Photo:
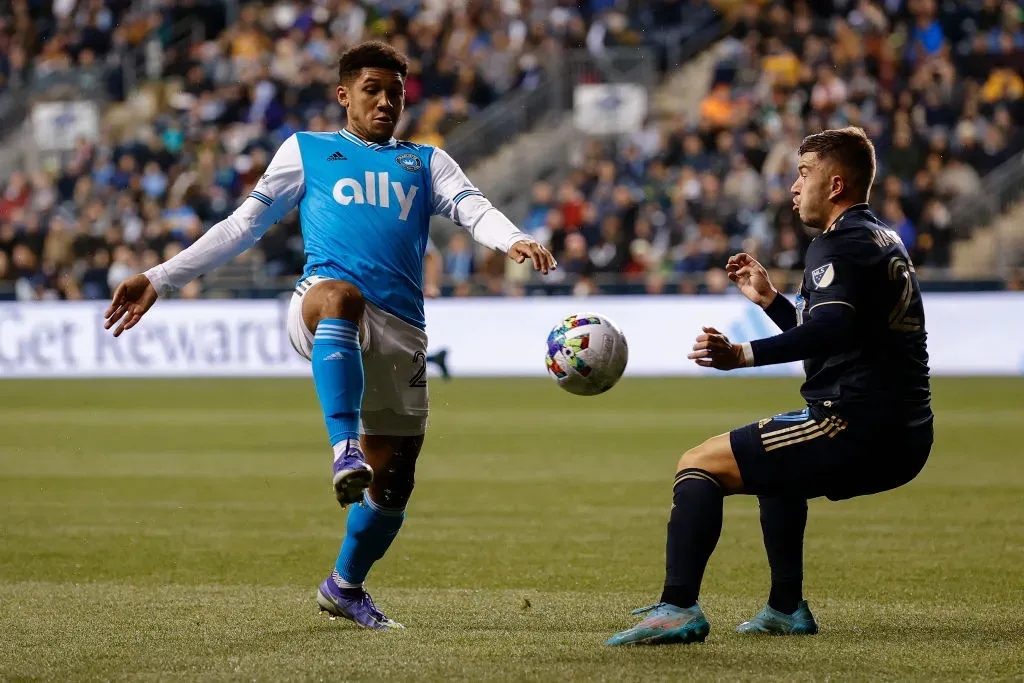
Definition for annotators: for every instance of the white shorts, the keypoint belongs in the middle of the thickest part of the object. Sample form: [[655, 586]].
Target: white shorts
[[395, 399]]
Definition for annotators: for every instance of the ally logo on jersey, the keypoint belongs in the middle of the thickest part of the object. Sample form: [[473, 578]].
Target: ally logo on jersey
[[376, 189]]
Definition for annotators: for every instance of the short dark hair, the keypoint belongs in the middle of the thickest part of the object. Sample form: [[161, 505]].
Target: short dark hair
[[851, 149], [371, 55]]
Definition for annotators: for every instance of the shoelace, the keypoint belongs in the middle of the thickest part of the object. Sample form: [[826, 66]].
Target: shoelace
[[372, 608], [649, 608]]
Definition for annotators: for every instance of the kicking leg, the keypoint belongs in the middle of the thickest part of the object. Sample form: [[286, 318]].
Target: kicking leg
[[705, 476], [375, 522], [333, 309], [372, 526]]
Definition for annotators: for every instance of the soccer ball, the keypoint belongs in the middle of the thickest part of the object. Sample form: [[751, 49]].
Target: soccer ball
[[586, 354]]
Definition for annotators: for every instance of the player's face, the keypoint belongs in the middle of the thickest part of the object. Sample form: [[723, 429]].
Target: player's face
[[374, 101], [812, 191]]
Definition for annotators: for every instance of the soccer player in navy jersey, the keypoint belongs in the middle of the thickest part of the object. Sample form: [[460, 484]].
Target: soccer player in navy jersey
[[365, 200], [858, 326]]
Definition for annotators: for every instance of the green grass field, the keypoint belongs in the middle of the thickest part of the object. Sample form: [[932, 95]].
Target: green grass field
[[177, 530]]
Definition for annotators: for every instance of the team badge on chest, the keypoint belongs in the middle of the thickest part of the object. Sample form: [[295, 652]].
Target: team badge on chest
[[410, 162]]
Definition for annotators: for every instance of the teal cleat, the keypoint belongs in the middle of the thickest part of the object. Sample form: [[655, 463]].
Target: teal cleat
[[773, 622], [665, 624]]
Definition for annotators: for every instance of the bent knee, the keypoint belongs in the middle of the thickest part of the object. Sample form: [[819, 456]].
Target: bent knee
[[393, 483], [394, 467], [337, 299], [715, 457], [699, 457]]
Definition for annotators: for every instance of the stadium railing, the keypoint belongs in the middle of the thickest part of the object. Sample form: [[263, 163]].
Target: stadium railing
[[1004, 186], [553, 95], [611, 284], [101, 83], [523, 109], [252, 282], [13, 110], [500, 123]]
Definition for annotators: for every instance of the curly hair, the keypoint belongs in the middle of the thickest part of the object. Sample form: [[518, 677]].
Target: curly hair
[[371, 55]]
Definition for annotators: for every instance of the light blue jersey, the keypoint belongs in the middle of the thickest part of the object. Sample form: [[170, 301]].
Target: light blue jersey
[[365, 213], [366, 216]]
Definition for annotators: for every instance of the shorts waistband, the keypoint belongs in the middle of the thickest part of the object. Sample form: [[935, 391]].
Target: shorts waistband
[[303, 286]]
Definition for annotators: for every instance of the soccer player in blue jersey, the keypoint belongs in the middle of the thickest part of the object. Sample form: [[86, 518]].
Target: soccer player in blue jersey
[[365, 200]]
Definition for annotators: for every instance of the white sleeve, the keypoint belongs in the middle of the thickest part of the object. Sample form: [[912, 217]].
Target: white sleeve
[[457, 198], [277, 193]]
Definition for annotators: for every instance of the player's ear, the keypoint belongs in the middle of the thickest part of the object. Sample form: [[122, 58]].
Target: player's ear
[[343, 95], [836, 187]]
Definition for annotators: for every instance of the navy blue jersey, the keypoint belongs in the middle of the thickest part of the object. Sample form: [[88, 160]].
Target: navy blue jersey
[[861, 263]]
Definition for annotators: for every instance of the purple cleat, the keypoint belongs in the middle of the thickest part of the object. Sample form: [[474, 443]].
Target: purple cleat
[[351, 475], [354, 604]]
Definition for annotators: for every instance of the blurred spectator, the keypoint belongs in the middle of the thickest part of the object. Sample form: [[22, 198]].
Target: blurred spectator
[[939, 121], [458, 259], [138, 195], [936, 85]]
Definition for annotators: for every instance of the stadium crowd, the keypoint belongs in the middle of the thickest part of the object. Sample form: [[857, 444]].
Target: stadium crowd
[[665, 206], [936, 88], [120, 203]]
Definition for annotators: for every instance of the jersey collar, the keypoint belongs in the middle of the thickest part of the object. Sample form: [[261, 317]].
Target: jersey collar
[[863, 206], [352, 137]]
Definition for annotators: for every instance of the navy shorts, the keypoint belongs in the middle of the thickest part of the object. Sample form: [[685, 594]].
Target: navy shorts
[[809, 453]]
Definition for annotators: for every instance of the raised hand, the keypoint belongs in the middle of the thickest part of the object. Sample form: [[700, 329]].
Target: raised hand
[[132, 299], [752, 279], [528, 249], [714, 350]]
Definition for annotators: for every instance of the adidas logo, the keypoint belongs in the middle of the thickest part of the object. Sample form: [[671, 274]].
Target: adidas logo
[[337, 156], [337, 355]]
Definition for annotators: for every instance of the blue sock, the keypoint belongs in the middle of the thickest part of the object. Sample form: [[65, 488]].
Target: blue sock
[[368, 535], [338, 376]]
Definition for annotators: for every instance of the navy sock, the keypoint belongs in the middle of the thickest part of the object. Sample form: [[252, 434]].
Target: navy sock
[[369, 532], [782, 522], [693, 530], [338, 376]]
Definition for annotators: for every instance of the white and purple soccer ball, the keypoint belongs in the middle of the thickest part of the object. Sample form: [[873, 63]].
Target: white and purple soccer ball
[[586, 354]]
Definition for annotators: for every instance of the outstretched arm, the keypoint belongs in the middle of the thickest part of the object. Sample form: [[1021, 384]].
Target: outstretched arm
[[221, 243], [277, 192], [458, 199], [829, 332]]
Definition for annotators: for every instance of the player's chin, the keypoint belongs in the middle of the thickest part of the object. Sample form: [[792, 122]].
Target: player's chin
[[383, 127]]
